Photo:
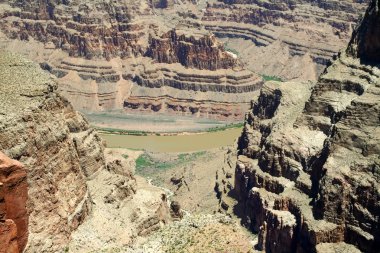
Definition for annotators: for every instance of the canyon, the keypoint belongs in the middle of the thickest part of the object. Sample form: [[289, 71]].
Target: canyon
[[308, 167], [188, 58], [65, 163], [293, 40], [302, 177]]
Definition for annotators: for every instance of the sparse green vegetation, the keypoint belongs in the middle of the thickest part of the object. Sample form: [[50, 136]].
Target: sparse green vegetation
[[225, 127], [143, 133], [125, 156], [271, 78], [146, 165], [122, 131]]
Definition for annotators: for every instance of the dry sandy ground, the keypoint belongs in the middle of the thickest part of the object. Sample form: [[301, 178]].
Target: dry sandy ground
[[112, 228], [191, 177]]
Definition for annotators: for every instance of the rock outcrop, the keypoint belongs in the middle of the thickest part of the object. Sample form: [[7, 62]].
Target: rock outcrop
[[174, 89], [92, 46], [83, 28], [66, 167], [119, 55], [201, 53], [54, 142], [365, 43], [281, 31], [13, 201], [308, 168]]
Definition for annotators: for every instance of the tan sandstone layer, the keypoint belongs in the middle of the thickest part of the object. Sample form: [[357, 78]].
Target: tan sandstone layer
[[307, 175], [272, 36], [101, 50], [71, 181]]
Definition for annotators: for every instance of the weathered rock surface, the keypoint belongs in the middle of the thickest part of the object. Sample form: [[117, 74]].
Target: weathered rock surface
[[100, 51], [221, 94], [82, 28], [66, 168], [54, 142], [91, 46], [281, 31], [13, 201], [126, 207], [308, 171], [198, 233], [201, 53]]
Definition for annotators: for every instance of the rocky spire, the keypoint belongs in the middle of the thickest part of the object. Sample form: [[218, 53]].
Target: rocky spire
[[365, 41]]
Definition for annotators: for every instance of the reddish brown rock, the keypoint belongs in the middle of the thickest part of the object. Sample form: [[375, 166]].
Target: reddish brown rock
[[8, 237], [76, 26], [13, 212], [308, 170], [202, 53]]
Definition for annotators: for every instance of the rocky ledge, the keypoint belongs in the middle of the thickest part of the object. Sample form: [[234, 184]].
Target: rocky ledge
[[308, 30], [65, 165], [202, 53], [100, 51], [308, 172]]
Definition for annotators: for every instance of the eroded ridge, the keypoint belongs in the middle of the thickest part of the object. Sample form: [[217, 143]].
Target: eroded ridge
[[308, 169], [290, 31], [72, 182]]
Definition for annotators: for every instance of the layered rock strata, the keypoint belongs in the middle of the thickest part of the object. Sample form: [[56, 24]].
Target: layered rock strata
[[201, 53], [223, 94], [82, 28], [13, 201], [59, 153], [64, 158], [280, 31], [101, 52], [308, 168]]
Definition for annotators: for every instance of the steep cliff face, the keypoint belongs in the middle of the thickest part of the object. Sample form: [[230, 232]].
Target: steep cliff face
[[201, 53], [308, 169], [103, 51], [283, 33], [82, 28], [54, 142], [13, 213], [73, 185], [365, 43]]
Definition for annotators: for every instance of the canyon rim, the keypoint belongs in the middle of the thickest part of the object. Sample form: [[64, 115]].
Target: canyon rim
[[89, 88]]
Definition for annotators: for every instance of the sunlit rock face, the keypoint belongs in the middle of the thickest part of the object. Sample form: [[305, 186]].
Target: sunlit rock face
[[288, 39], [13, 202], [58, 149], [72, 182], [309, 167]]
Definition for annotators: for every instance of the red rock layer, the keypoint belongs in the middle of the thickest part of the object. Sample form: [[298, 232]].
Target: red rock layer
[[202, 53], [13, 212]]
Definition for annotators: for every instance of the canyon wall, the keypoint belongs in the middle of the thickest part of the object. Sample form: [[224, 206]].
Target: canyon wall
[[201, 53], [13, 201], [68, 174], [59, 154], [82, 28], [117, 55], [308, 168], [278, 34], [110, 56]]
